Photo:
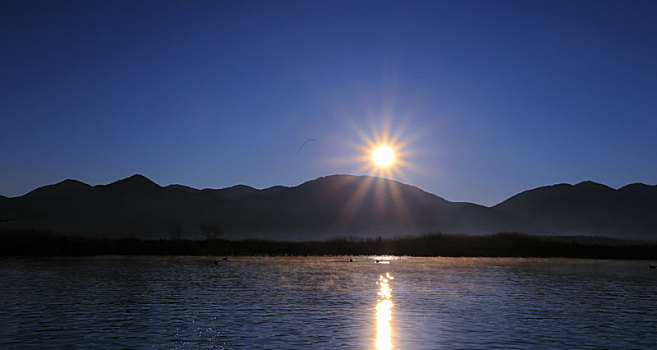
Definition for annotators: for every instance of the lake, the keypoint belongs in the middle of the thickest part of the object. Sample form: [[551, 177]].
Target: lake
[[327, 302]]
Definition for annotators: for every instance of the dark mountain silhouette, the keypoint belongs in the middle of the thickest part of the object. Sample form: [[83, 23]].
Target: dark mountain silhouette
[[361, 205], [242, 191], [134, 183], [234, 192], [331, 206], [65, 188], [588, 208], [182, 188]]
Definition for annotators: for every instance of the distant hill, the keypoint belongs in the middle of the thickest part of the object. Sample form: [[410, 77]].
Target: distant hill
[[234, 192], [331, 206], [588, 208], [65, 188]]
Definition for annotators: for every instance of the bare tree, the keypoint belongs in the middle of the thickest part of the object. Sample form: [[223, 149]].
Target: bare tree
[[212, 231], [174, 229]]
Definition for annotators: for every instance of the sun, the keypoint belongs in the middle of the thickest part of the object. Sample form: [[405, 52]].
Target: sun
[[383, 156], [382, 152]]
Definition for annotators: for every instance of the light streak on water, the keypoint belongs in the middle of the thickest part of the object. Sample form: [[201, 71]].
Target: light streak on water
[[384, 313]]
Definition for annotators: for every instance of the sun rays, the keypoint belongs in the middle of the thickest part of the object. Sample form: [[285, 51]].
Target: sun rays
[[383, 154], [385, 157]]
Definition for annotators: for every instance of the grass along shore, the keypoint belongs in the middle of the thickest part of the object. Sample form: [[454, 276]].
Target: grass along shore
[[40, 243]]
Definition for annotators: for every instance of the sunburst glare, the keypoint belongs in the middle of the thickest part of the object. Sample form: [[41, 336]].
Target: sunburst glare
[[383, 155], [380, 153]]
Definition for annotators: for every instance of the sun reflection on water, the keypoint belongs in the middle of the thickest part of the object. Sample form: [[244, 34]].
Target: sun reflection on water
[[384, 313]]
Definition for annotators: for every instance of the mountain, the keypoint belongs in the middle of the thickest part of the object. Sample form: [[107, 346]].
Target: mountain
[[242, 191], [65, 188], [588, 208], [330, 206], [182, 188], [362, 205], [234, 192]]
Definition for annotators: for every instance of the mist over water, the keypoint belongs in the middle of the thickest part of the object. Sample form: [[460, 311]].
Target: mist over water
[[325, 302]]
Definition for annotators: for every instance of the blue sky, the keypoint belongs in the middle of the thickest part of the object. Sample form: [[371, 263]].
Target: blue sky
[[492, 97]]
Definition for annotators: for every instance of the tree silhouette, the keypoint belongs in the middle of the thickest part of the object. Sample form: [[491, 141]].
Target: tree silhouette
[[212, 231], [174, 229]]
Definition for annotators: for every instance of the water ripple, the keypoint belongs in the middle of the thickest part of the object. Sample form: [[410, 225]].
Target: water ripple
[[274, 303]]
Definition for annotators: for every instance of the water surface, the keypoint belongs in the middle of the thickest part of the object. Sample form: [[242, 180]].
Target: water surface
[[327, 302]]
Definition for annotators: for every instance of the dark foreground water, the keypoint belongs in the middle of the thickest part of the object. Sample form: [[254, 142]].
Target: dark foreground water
[[327, 302]]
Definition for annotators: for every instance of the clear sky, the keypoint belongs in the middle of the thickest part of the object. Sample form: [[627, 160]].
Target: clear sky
[[492, 97]]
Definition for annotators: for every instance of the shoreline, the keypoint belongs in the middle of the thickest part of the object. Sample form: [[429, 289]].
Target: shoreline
[[41, 243]]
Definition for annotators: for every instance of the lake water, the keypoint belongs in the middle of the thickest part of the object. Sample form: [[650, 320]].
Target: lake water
[[327, 302]]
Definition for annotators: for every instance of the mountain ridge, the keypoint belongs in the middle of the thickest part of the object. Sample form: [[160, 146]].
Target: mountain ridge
[[588, 208], [144, 179], [330, 206]]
